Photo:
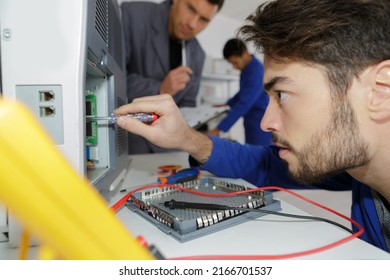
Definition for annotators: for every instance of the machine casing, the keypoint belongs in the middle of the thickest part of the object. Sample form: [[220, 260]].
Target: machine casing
[[55, 53]]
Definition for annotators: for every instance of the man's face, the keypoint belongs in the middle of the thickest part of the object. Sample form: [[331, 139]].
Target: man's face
[[318, 136], [189, 17], [237, 62]]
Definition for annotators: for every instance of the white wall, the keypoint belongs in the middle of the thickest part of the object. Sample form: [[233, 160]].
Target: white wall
[[213, 38]]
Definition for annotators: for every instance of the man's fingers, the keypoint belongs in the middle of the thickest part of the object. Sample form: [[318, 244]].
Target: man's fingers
[[149, 104], [133, 125], [183, 69]]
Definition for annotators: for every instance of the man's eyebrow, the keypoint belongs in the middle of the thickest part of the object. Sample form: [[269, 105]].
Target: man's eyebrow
[[204, 18], [269, 85]]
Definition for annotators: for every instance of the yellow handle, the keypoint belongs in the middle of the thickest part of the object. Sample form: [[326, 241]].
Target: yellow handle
[[61, 209]]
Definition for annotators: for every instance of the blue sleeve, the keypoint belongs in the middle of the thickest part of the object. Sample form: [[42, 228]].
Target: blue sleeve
[[232, 101], [260, 166]]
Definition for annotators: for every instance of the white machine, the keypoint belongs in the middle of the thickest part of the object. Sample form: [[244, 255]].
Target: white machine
[[65, 60]]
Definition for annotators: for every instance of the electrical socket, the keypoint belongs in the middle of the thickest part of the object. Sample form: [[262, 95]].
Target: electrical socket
[[46, 103]]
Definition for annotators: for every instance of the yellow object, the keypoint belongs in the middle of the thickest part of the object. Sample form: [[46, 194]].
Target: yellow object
[[24, 245], [51, 200]]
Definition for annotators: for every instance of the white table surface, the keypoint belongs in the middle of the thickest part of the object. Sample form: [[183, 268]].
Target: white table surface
[[267, 235]]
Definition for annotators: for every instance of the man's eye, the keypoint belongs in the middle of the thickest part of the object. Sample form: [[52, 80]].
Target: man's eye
[[281, 95]]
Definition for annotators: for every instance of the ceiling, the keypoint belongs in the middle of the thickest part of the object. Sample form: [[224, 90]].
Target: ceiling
[[240, 9]]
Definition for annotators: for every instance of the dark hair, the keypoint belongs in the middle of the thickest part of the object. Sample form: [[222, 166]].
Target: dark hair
[[216, 2], [232, 47], [344, 36]]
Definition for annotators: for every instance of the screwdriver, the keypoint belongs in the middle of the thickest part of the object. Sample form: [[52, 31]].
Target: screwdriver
[[143, 117]]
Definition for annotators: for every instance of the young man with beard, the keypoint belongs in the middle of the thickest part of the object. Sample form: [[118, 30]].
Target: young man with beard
[[327, 73]]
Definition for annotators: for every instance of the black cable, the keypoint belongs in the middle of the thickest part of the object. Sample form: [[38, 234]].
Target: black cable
[[173, 204], [293, 216]]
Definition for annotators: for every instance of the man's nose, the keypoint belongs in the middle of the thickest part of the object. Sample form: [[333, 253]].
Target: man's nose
[[271, 120], [194, 21]]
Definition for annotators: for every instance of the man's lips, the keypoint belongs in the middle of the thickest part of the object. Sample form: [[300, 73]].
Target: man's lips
[[280, 146], [185, 31], [282, 149], [282, 152]]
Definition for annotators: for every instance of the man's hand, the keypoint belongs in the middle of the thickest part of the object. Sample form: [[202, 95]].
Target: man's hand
[[176, 80], [170, 130]]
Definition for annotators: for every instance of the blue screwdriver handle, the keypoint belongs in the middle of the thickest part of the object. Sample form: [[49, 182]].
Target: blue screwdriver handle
[[184, 175]]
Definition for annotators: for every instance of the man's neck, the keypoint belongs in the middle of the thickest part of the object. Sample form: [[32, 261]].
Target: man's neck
[[375, 177], [247, 58]]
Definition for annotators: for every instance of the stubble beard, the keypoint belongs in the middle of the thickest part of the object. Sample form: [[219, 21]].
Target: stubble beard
[[334, 149]]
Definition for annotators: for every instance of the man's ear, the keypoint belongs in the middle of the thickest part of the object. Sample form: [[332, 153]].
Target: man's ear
[[379, 99]]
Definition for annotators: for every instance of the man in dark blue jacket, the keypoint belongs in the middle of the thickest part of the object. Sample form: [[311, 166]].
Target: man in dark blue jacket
[[327, 73], [251, 100]]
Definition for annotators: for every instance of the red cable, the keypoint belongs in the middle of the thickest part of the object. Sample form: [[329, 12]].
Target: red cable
[[125, 198]]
